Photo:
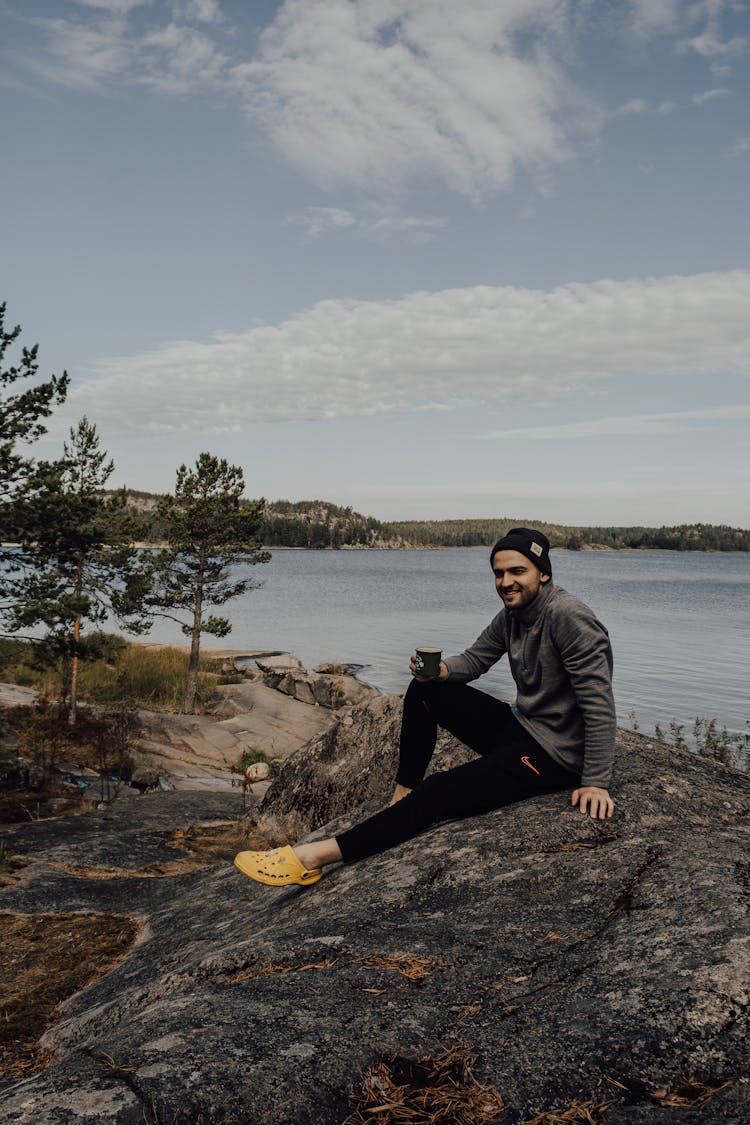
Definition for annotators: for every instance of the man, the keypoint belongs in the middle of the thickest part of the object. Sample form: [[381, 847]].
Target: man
[[559, 733]]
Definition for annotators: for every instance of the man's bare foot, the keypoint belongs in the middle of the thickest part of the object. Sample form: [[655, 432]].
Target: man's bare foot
[[318, 854], [399, 793]]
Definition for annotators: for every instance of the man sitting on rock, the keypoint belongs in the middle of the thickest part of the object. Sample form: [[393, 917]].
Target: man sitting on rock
[[559, 734]]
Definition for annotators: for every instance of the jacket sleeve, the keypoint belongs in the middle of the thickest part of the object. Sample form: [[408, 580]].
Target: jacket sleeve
[[487, 649], [583, 644]]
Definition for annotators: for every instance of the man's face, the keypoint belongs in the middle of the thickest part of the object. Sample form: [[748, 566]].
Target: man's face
[[517, 580]]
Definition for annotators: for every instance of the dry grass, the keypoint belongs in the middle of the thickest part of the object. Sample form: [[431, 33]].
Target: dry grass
[[412, 968], [45, 959], [577, 1113], [210, 844], [584, 845], [11, 866], [271, 969], [156, 870], [19, 806], [441, 1091], [687, 1092]]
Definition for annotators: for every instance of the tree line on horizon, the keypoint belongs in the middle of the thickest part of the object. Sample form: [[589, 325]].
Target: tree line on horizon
[[483, 533], [320, 524]]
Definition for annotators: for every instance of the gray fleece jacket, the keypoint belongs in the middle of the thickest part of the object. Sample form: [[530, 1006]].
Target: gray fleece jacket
[[561, 661]]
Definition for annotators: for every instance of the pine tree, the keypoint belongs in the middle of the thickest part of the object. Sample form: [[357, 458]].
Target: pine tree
[[79, 564], [210, 531], [22, 414]]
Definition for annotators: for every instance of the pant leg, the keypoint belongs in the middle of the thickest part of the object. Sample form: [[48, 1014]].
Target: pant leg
[[478, 720], [518, 769]]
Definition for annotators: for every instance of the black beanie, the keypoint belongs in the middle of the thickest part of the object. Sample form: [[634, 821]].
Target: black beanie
[[533, 544]]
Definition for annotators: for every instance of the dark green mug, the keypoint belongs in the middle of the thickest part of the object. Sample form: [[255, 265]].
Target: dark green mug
[[427, 661]]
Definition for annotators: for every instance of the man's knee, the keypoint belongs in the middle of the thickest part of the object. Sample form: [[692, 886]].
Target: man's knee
[[434, 798], [419, 689], [420, 698]]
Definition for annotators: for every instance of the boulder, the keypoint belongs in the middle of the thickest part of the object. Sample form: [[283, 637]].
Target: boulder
[[348, 768], [585, 964], [257, 771], [279, 664], [329, 689]]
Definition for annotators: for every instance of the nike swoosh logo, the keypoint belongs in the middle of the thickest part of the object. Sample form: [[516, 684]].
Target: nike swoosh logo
[[526, 762]]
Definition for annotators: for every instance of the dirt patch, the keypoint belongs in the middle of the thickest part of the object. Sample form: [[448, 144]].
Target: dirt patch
[[215, 843], [11, 867], [210, 844], [44, 960]]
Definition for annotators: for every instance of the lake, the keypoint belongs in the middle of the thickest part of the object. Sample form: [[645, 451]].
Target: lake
[[679, 622]]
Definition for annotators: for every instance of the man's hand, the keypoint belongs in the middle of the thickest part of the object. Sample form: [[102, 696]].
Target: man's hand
[[442, 674], [594, 801]]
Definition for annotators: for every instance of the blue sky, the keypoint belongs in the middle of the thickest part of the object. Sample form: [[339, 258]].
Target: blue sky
[[425, 258]]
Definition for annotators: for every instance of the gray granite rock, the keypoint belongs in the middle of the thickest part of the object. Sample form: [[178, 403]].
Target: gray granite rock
[[577, 959], [327, 689]]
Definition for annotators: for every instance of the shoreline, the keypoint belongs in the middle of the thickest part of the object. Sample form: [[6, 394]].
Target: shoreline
[[599, 548]]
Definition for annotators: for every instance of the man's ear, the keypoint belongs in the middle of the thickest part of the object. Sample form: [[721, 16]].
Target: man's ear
[[545, 577]]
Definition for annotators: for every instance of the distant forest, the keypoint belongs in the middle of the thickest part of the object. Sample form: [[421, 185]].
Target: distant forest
[[319, 524]]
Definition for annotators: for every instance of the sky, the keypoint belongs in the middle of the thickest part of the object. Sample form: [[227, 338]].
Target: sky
[[428, 259]]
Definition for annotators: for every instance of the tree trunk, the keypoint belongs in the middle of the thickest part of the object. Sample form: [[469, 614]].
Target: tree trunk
[[74, 660], [191, 687]]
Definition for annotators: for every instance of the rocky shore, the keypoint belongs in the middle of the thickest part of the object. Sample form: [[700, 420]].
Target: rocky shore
[[595, 970], [275, 712]]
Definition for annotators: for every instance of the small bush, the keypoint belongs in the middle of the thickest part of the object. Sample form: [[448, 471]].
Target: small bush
[[708, 740], [102, 741], [250, 757]]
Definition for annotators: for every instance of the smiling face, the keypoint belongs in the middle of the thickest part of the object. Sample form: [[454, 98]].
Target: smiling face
[[517, 580]]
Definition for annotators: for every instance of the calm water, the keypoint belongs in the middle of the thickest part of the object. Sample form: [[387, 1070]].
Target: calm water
[[679, 623]]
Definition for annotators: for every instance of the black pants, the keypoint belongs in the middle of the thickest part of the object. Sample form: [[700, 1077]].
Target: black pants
[[511, 766]]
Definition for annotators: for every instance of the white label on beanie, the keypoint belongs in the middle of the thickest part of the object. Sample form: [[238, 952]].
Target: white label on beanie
[[536, 549]]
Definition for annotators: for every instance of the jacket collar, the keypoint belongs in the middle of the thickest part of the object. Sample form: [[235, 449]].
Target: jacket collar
[[535, 609]]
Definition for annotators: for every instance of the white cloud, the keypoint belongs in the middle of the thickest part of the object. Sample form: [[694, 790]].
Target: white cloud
[[177, 59], [368, 93], [343, 358], [380, 221], [742, 146], [643, 424], [114, 7], [81, 55], [695, 26], [649, 17], [637, 106], [386, 221], [632, 106], [710, 43], [89, 52], [202, 11], [710, 95], [322, 220], [379, 91]]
